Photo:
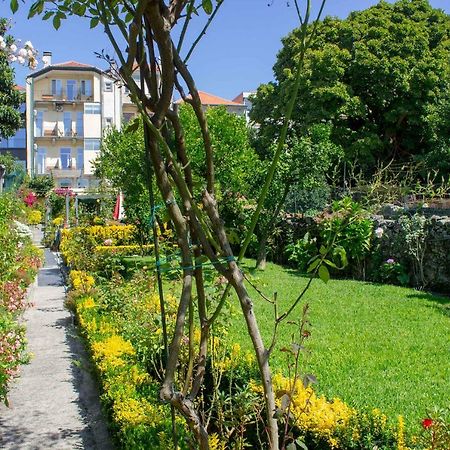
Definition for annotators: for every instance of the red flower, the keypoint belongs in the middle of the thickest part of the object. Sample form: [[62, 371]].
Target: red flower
[[427, 423]]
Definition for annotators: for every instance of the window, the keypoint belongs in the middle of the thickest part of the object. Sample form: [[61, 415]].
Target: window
[[65, 183], [40, 161], [86, 87], [16, 141], [92, 144], [68, 124], [108, 86], [126, 90], [71, 89], [83, 183], [80, 126], [80, 159], [64, 154], [39, 123], [92, 108], [57, 88], [127, 117]]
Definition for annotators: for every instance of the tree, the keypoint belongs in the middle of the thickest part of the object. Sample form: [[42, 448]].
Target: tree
[[146, 29], [378, 78], [303, 166], [238, 166], [10, 97]]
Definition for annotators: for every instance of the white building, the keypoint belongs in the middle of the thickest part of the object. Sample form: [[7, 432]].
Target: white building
[[69, 106]]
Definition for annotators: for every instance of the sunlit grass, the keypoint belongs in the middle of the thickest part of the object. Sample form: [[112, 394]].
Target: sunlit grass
[[371, 345]]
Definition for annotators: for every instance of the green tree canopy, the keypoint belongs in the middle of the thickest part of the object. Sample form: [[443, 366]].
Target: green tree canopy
[[10, 97], [380, 78], [237, 165]]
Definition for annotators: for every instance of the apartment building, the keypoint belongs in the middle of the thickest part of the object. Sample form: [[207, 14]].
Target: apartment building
[[16, 145], [69, 107]]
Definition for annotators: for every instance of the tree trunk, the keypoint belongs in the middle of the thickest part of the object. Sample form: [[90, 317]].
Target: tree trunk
[[262, 254]]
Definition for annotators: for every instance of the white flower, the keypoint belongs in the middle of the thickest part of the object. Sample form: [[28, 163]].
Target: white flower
[[2, 38], [12, 58], [2, 44], [379, 232], [28, 44], [30, 53], [23, 53], [13, 48], [21, 60]]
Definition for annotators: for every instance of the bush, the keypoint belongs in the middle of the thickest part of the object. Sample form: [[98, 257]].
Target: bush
[[19, 262]]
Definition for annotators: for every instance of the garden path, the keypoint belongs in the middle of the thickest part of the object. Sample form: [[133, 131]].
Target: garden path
[[54, 404]]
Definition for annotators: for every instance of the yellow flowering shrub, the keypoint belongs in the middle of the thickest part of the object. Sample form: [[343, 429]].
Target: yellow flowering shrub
[[34, 216], [58, 221], [120, 234], [122, 250], [81, 281], [311, 412]]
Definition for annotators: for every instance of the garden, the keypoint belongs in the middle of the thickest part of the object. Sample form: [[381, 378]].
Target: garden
[[281, 284]]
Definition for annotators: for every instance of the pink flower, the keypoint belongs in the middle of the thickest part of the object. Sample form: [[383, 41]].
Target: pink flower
[[390, 261]]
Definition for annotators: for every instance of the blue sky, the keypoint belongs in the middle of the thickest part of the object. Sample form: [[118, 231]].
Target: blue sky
[[236, 55]]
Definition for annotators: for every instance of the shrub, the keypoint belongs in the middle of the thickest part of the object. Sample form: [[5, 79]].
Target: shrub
[[34, 217]]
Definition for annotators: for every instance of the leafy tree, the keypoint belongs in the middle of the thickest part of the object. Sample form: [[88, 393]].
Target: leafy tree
[[380, 78], [303, 167], [237, 164], [10, 97], [142, 33]]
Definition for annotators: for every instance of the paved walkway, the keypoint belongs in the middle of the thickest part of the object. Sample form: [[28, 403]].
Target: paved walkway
[[54, 404]]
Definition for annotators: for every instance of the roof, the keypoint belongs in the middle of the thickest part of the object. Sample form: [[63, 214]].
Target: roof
[[239, 98], [72, 64], [213, 100], [69, 66], [19, 88], [243, 96]]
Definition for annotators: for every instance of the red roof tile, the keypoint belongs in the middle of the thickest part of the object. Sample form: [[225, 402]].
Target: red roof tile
[[72, 64], [213, 100], [19, 88], [239, 98]]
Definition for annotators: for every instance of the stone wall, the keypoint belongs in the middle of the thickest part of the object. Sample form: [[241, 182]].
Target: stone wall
[[436, 259]]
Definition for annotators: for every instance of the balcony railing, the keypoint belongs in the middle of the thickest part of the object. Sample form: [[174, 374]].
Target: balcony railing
[[63, 96], [60, 134]]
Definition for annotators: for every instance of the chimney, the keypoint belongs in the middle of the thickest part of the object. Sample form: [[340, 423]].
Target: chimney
[[47, 59]]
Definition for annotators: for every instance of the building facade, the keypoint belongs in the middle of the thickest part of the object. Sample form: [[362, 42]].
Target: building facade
[[69, 107], [16, 145]]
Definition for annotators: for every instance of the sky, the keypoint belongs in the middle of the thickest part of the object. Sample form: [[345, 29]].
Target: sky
[[237, 53]]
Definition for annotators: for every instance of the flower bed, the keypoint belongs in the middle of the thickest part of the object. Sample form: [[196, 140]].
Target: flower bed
[[125, 340], [19, 262]]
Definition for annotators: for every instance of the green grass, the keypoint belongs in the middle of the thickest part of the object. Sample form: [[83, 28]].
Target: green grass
[[371, 345]]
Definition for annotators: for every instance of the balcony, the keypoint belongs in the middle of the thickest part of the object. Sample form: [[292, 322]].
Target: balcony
[[57, 133], [65, 173], [63, 96]]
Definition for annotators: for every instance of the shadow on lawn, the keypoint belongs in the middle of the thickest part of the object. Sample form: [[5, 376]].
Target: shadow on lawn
[[438, 302]]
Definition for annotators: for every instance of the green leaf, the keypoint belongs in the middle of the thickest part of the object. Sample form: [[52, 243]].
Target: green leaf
[[207, 6], [47, 15], [133, 126], [94, 22], [200, 260], [313, 265], [56, 21], [14, 5], [324, 274]]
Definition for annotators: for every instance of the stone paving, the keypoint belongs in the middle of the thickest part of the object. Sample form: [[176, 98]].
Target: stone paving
[[54, 404]]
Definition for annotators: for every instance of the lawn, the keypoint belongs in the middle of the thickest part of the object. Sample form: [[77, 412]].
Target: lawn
[[371, 345]]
